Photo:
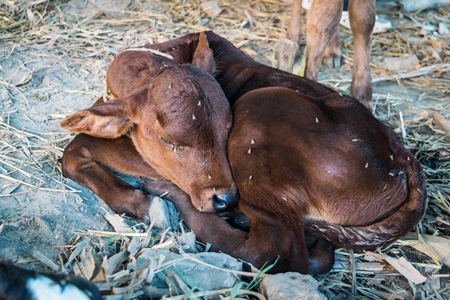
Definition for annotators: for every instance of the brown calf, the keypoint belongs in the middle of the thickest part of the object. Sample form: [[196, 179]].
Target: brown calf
[[311, 166], [306, 160], [166, 121], [322, 40]]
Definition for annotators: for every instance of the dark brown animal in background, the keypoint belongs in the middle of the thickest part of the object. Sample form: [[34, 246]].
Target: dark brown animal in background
[[166, 121], [322, 40], [311, 165]]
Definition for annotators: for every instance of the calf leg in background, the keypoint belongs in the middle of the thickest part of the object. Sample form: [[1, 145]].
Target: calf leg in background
[[268, 240], [88, 161], [322, 22], [362, 21], [294, 31]]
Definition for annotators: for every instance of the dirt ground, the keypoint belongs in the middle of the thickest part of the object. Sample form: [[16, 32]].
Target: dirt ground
[[53, 58]]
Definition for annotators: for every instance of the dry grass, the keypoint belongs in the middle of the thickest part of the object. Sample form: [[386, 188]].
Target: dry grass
[[69, 33]]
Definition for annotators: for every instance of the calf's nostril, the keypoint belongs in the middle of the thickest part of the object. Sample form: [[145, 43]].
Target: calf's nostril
[[224, 202], [219, 202]]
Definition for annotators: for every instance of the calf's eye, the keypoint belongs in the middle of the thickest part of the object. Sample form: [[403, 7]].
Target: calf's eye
[[174, 147]]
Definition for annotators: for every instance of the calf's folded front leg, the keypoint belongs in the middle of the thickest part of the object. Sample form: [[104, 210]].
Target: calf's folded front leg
[[269, 239], [90, 161]]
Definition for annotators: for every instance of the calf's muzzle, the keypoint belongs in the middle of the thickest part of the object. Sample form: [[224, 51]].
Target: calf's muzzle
[[223, 202]]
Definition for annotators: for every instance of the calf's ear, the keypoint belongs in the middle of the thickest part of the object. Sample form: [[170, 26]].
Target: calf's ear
[[106, 120], [203, 56]]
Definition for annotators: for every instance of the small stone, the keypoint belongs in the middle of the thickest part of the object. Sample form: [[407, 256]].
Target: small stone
[[203, 21], [288, 286], [402, 63], [443, 29], [194, 274], [211, 8]]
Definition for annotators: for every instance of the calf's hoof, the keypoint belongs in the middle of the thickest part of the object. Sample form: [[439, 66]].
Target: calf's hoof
[[321, 255], [332, 61], [332, 57], [363, 92], [162, 214]]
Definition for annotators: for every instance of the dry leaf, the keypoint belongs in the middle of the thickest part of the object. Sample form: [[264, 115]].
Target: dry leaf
[[441, 122], [45, 260], [248, 51], [9, 189], [118, 223], [121, 276], [31, 17], [390, 296], [77, 250], [439, 245], [403, 266], [111, 264], [436, 44], [440, 219], [175, 282], [86, 263], [11, 4], [419, 115], [134, 246]]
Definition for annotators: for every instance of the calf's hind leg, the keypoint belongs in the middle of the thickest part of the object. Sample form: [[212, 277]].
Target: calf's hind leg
[[89, 160]]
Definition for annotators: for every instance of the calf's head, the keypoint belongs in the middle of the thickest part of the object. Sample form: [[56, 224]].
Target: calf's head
[[179, 123]]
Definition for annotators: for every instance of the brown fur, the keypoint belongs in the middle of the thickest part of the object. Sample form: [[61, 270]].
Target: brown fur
[[313, 167], [322, 42]]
